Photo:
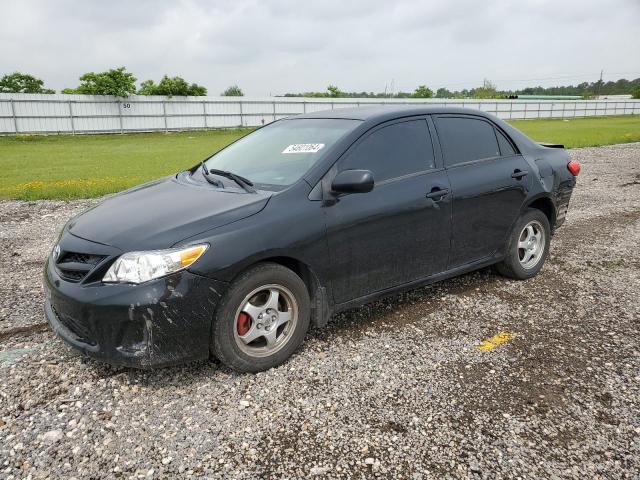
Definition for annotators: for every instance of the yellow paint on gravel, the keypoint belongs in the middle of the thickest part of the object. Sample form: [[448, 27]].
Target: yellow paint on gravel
[[494, 341]]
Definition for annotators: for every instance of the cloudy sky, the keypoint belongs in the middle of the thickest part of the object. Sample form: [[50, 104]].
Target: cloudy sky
[[278, 46]]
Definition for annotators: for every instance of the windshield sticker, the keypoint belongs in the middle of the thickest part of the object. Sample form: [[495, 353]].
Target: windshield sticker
[[303, 148]]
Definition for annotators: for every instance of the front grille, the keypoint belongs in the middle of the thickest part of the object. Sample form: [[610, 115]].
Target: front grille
[[71, 275], [74, 257], [75, 266]]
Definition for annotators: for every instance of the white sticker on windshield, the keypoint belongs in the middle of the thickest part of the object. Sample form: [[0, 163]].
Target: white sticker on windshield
[[303, 148]]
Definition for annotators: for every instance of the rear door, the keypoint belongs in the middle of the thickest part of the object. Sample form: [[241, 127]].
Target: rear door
[[489, 183], [395, 233]]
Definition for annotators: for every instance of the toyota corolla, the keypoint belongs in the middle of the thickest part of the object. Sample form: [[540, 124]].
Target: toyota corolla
[[308, 216]]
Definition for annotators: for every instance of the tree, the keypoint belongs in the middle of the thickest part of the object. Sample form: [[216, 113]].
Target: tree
[[22, 83], [422, 92], [333, 91], [148, 87], [488, 90], [233, 91], [635, 92], [172, 86], [116, 82], [443, 93]]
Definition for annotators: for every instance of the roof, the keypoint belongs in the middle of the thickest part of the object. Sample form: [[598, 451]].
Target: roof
[[372, 115], [386, 112]]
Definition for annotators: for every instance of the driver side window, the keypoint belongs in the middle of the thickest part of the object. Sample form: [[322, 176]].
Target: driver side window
[[393, 151]]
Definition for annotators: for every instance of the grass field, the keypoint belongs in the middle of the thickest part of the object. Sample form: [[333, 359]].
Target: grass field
[[583, 132], [65, 167]]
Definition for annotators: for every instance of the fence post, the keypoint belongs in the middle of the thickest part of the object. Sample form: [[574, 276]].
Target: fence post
[[204, 112], [120, 115], [304, 106], [510, 109], [164, 115], [274, 110], [241, 113], [13, 113], [73, 128]]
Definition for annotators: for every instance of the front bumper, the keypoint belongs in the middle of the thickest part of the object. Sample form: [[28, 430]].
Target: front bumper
[[162, 322]]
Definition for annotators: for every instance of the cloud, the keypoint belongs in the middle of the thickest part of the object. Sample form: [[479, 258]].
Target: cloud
[[285, 45]]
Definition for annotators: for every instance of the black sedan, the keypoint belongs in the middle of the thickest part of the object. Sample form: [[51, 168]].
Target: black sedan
[[300, 219]]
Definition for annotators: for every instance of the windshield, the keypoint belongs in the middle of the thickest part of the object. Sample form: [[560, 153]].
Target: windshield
[[280, 153]]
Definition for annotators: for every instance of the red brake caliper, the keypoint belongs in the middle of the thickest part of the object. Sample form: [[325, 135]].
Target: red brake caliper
[[244, 323]]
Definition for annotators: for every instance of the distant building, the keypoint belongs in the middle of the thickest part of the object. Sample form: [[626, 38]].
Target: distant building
[[613, 97]]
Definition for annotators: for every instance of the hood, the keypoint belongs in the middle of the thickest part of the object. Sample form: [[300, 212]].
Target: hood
[[159, 214]]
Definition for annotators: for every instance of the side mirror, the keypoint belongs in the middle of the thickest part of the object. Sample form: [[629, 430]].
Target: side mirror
[[353, 181]]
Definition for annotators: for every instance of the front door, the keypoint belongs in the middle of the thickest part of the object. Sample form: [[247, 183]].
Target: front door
[[396, 233]]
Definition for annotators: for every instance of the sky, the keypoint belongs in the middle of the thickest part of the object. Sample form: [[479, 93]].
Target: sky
[[272, 47]]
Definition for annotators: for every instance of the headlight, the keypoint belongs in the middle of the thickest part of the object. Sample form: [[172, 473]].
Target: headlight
[[138, 267]]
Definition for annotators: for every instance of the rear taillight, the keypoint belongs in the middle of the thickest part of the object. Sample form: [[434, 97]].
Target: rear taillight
[[573, 167]]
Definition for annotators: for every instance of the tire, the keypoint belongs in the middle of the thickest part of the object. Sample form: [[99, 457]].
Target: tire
[[250, 331], [518, 264]]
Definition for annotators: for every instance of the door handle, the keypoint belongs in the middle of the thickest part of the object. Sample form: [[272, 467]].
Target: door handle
[[437, 193], [518, 174]]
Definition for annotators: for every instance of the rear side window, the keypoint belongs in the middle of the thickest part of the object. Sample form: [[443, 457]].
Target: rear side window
[[466, 139], [393, 151], [506, 148]]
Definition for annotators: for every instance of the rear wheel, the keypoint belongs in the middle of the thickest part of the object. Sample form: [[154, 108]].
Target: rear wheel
[[528, 246], [262, 319]]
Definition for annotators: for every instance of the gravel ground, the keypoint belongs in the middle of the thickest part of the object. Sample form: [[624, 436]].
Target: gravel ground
[[397, 389]]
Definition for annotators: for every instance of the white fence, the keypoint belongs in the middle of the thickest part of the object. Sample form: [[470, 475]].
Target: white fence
[[35, 113]]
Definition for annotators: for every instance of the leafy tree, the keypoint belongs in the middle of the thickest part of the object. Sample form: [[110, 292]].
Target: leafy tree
[[443, 93], [116, 82], [233, 91], [422, 92], [333, 91], [488, 90], [22, 83], [635, 92], [172, 86], [148, 87]]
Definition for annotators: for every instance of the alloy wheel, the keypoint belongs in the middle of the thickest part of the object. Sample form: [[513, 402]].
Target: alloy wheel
[[531, 245], [265, 320]]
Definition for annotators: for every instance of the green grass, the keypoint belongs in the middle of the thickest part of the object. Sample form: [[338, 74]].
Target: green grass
[[583, 132], [65, 166]]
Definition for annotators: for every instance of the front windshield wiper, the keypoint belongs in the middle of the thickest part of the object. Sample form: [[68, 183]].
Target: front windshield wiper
[[209, 179], [243, 182]]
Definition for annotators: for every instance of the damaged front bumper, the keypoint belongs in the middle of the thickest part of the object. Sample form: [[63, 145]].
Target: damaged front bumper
[[162, 322]]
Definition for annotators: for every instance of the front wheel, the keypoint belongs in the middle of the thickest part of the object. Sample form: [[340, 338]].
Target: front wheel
[[528, 246], [262, 319]]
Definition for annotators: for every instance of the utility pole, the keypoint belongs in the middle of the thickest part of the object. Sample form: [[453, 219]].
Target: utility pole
[[599, 84]]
